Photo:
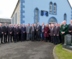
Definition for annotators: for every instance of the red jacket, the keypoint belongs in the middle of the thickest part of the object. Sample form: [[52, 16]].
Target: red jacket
[[46, 32]]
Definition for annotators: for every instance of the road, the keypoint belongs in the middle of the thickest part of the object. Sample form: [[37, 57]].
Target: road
[[27, 50]]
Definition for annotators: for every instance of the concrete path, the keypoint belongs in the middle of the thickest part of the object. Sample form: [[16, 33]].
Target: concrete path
[[27, 50]]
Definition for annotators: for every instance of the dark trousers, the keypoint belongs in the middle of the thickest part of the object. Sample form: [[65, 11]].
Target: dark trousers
[[42, 36], [9, 38], [46, 39], [37, 36], [32, 36], [52, 39], [16, 37], [1, 38], [62, 39], [23, 36], [5, 38], [56, 40], [49, 38], [20, 37]]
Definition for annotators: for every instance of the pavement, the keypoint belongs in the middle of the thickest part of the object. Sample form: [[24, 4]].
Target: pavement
[[27, 50]]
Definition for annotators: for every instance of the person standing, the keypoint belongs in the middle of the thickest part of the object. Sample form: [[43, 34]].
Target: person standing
[[23, 33], [16, 33], [46, 32], [28, 32], [1, 33], [49, 33], [19, 26], [32, 32], [10, 31], [56, 31], [38, 31], [63, 31], [70, 29], [52, 34], [42, 32], [5, 29]]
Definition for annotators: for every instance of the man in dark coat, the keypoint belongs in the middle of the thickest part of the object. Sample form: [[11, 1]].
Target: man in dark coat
[[32, 32], [16, 33], [52, 33], [56, 35], [10, 32], [13, 26], [1, 33], [42, 32], [70, 29], [19, 26], [38, 32], [63, 31], [23, 33], [5, 29]]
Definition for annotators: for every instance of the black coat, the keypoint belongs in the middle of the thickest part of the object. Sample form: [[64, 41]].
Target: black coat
[[10, 30], [56, 31], [5, 30], [0, 31], [70, 29], [16, 31]]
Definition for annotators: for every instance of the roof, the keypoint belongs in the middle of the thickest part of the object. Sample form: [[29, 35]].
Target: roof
[[15, 8], [5, 20], [69, 4]]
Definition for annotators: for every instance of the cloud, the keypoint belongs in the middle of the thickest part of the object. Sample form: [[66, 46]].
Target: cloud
[[70, 1]]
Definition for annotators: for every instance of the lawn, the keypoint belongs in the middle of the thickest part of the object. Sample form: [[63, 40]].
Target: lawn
[[62, 53]]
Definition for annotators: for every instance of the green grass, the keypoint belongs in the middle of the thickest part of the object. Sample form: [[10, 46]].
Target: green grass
[[61, 53]]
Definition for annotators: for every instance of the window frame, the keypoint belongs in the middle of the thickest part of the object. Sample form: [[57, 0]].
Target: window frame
[[51, 7], [65, 16], [55, 9], [36, 16]]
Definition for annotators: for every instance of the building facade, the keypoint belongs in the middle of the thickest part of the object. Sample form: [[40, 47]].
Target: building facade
[[4, 20], [41, 11]]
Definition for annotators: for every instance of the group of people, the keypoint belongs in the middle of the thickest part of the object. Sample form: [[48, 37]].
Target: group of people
[[53, 33]]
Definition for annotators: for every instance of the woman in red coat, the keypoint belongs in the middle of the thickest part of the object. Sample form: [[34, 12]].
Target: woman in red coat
[[46, 32]]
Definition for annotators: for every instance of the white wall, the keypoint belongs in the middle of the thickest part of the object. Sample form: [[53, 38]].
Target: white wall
[[18, 15]]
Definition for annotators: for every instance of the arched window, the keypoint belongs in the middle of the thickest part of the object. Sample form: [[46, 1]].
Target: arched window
[[52, 20], [55, 8], [36, 15], [65, 16], [50, 7]]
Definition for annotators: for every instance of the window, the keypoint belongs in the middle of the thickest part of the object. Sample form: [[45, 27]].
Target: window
[[36, 15], [51, 7], [16, 18], [52, 20], [42, 12], [23, 4], [55, 8], [65, 16], [23, 19], [23, 9], [23, 14], [46, 13]]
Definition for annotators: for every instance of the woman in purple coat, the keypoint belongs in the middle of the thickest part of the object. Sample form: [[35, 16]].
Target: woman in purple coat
[[46, 32]]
